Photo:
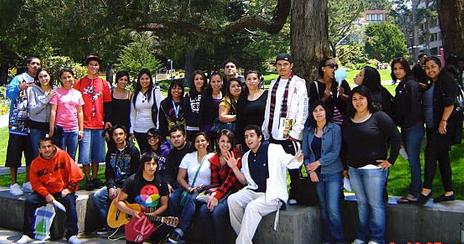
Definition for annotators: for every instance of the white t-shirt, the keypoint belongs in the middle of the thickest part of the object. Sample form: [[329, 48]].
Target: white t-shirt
[[190, 163], [278, 105]]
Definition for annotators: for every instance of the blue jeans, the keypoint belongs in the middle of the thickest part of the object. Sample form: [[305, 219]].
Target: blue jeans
[[217, 221], [328, 191], [92, 147], [35, 201], [412, 140], [186, 212], [68, 142], [368, 185], [36, 135], [100, 201]]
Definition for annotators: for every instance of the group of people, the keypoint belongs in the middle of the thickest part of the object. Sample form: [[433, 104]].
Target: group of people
[[222, 151]]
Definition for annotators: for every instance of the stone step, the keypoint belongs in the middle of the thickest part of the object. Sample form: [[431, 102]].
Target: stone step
[[297, 224]]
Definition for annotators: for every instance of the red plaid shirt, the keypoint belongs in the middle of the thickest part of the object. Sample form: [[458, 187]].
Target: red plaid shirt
[[224, 177]]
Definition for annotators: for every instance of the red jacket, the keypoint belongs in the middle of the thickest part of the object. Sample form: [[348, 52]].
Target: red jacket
[[49, 176], [223, 177]]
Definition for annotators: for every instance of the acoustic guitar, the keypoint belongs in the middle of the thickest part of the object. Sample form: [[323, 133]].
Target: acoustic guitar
[[117, 218]]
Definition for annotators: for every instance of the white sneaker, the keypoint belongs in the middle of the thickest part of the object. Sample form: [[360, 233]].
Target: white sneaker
[[372, 242], [25, 239], [15, 189], [74, 240], [292, 202], [403, 153], [27, 187], [357, 241]]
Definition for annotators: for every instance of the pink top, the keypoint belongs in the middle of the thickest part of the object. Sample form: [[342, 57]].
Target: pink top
[[67, 101]]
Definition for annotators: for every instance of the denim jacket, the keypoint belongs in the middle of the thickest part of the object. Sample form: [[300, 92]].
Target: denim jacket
[[330, 148]]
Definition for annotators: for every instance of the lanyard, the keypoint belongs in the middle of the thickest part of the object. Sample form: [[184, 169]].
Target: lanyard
[[176, 109]]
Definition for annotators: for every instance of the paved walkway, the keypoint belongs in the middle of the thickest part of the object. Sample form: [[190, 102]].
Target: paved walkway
[[11, 236]]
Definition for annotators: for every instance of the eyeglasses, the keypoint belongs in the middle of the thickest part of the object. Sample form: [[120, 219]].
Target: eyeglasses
[[152, 136], [333, 66], [230, 66]]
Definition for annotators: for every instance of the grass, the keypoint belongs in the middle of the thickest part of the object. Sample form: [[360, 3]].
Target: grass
[[398, 180]]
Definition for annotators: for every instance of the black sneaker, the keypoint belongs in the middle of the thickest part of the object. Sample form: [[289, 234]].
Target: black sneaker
[[443, 198], [89, 185], [175, 236], [423, 199], [97, 183]]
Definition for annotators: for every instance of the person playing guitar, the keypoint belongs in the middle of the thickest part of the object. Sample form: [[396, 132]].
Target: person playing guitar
[[147, 190]]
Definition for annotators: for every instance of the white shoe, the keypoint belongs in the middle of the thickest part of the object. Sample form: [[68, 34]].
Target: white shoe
[[27, 187], [372, 242], [15, 189], [403, 153], [25, 239], [357, 241], [292, 202], [74, 240]]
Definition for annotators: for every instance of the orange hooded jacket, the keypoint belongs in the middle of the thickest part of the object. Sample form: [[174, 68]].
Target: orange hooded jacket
[[49, 176]]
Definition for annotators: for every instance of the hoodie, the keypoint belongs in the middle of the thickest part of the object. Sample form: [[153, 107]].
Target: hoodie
[[50, 176], [120, 164]]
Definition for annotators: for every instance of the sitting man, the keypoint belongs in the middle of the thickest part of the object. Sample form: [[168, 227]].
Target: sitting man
[[151, 193], [263, 172], [122, 160], [181, 147], [54, 177]]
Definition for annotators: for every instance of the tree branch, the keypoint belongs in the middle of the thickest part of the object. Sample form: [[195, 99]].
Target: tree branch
[[271, 26]]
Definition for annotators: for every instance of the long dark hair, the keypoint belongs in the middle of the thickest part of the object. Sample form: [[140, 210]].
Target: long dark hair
[[193, 90], [172, 85], [230, 136], [36, 78], [404, 64], [209, 88], [245, 90], [372, 79], [138, 86], [365, 92], [147, 156], [320, 72], [311, 121]]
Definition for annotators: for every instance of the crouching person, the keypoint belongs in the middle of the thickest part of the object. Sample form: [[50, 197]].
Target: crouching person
[[264, 171], [54, 177], [146, 189], [122, 160]]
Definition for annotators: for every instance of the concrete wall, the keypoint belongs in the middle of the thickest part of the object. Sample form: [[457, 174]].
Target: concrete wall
[[405, 223]]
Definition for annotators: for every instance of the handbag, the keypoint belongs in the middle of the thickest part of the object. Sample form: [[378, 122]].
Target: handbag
[[218, 126], [139, 229], [185, 193], [305, 190]]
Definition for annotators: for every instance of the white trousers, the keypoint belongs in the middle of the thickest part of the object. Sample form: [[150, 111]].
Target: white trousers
[[246, 209]]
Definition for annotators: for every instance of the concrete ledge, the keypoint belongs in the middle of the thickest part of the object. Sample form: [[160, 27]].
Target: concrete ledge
[[297, 224], [12, 211]]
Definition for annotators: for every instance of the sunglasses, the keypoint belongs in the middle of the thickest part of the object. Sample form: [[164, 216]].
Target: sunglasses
[[333, 66]]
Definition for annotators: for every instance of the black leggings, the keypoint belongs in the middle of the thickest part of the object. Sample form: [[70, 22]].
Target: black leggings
[[437, 149]]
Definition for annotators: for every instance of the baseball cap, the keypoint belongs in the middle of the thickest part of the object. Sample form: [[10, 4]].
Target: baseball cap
[[284, 56]]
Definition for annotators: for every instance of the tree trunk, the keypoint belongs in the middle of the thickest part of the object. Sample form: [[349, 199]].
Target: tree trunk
[[451, 14], [109, 74], [309, 36], [415, 25], [3, 73], [188, 66]]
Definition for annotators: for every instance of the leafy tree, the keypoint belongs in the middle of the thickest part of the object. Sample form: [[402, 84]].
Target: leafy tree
[[385, 41], [54, 64], [139, 54]]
